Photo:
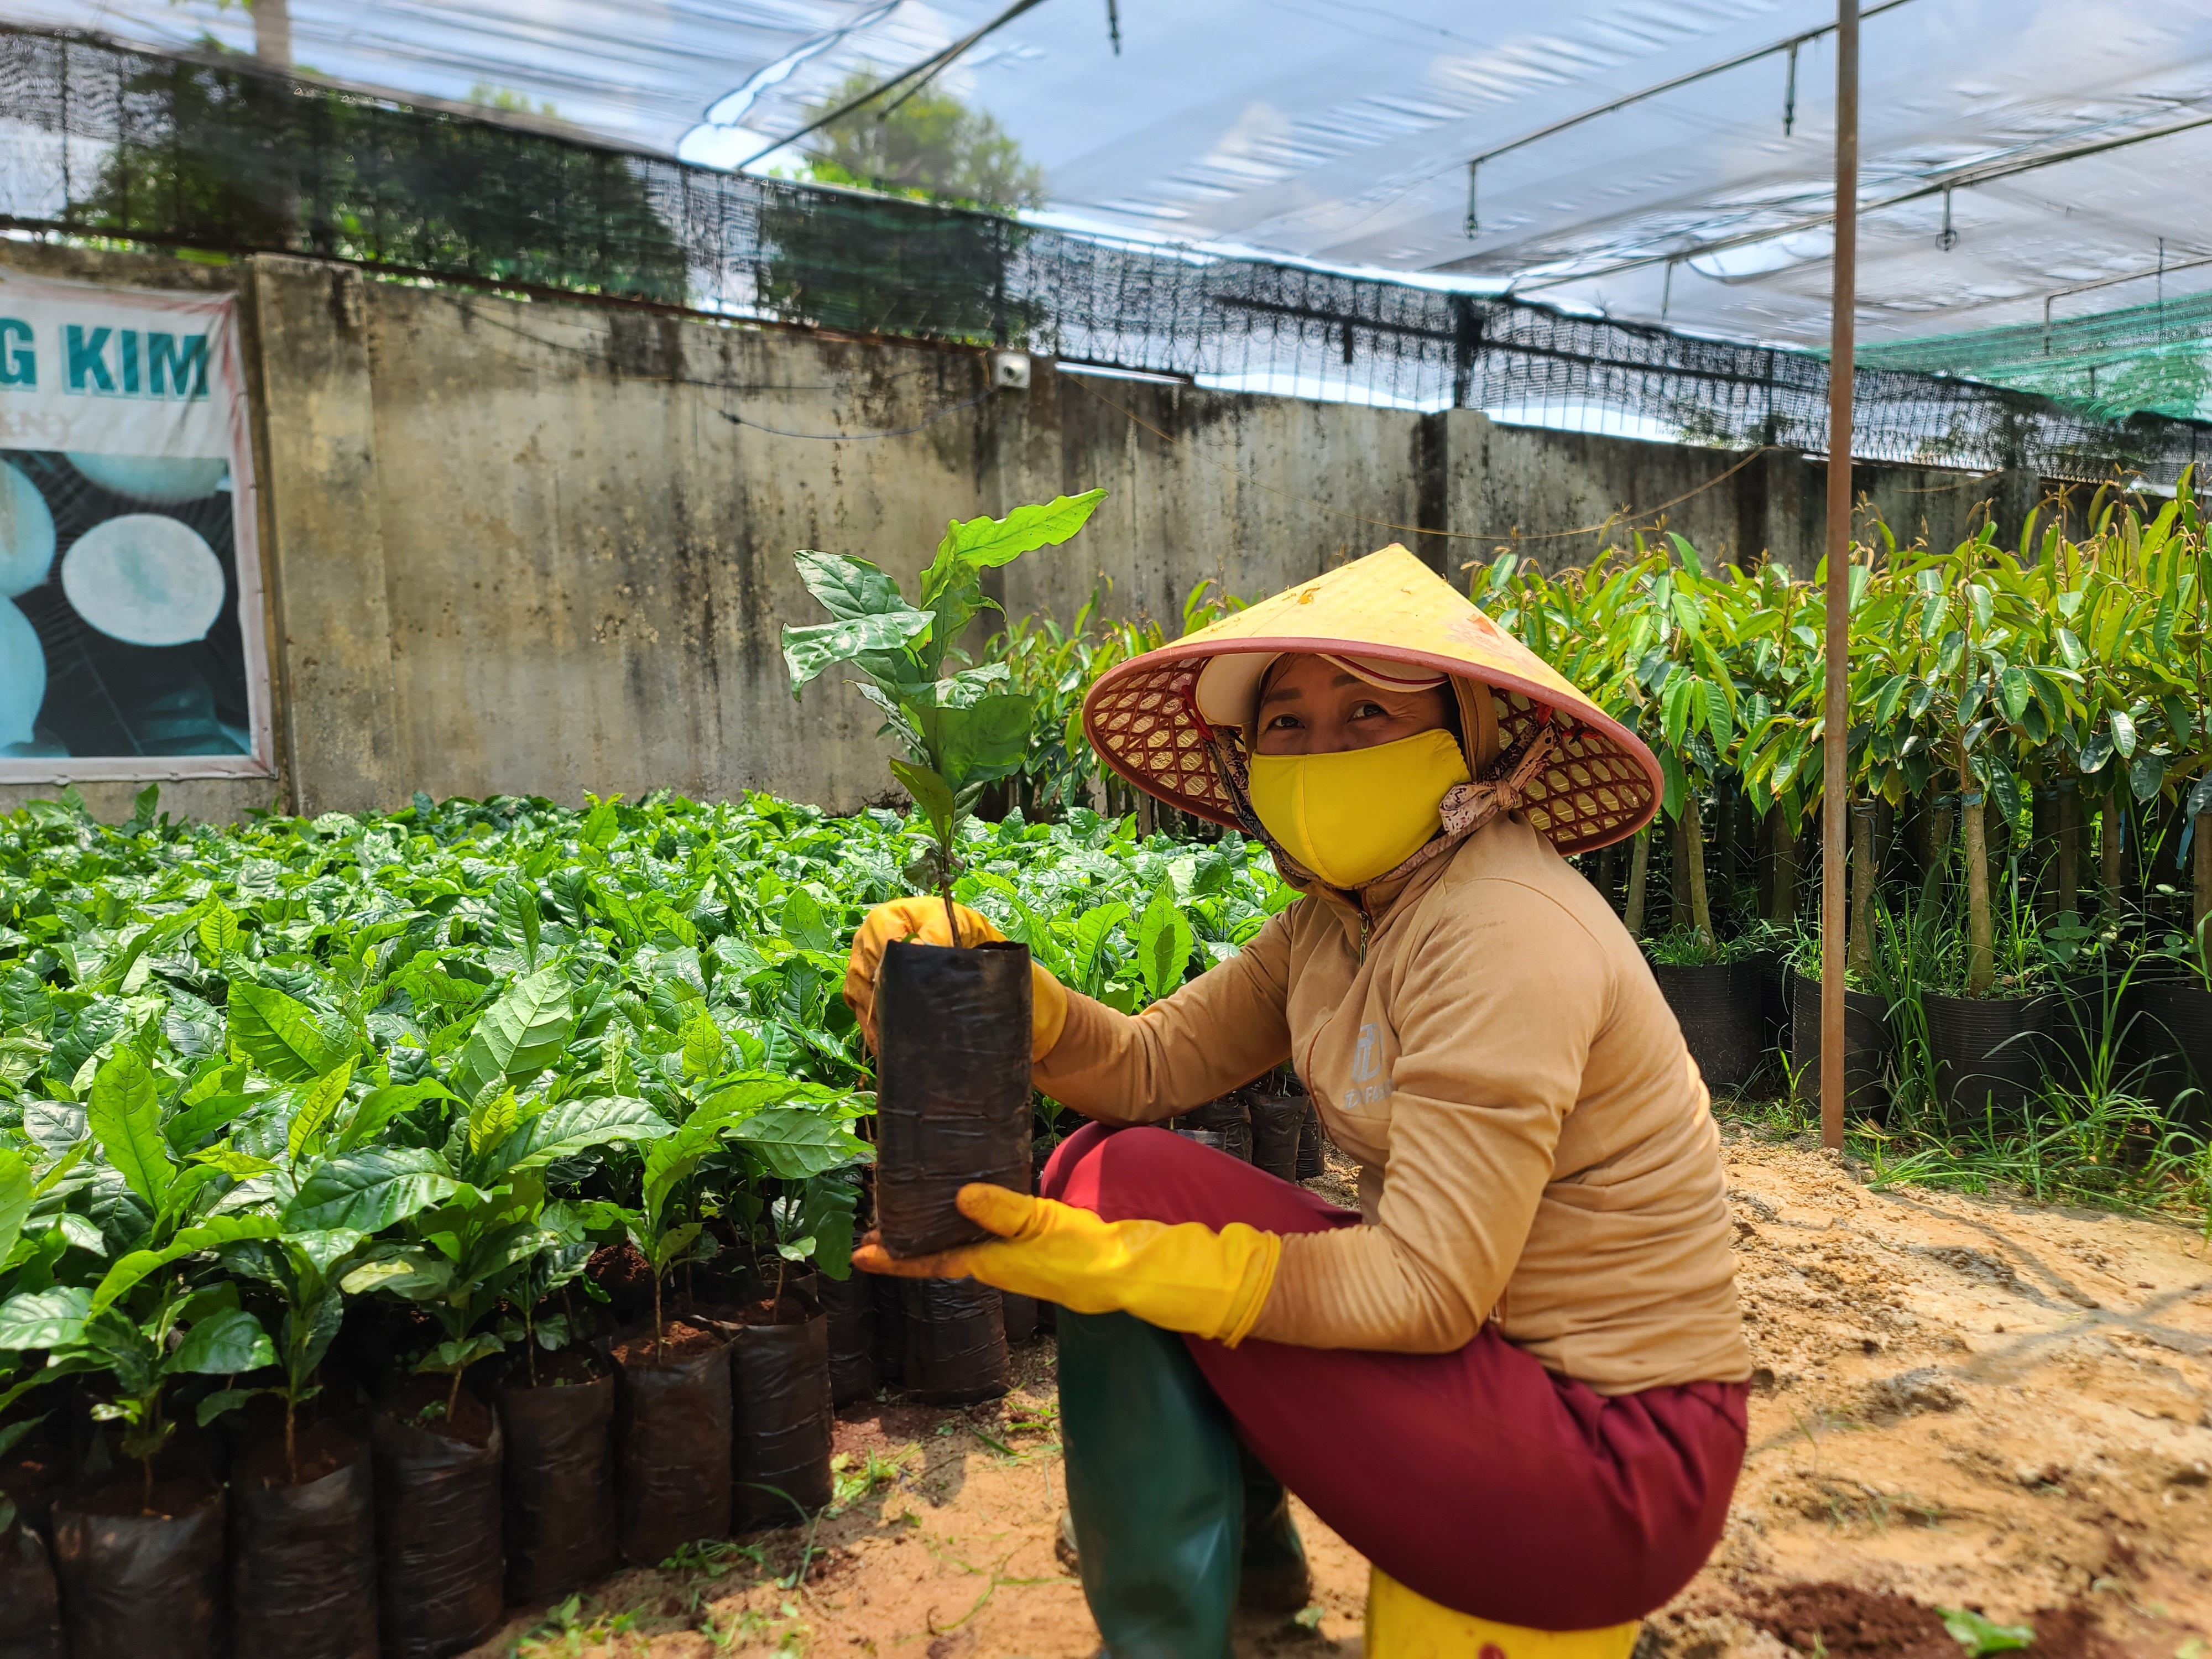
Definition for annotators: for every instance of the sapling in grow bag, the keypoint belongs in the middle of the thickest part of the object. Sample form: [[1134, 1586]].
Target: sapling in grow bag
[[953, 1023]]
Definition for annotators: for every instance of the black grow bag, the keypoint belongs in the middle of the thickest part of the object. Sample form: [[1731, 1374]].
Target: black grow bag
[[1313, 1163], [441, 1569], [850, 1305], [1278, 1120], [780, 1440], [890, 1328], [30, 1601], [955, 1342], [559, 1485], [1018, 1314], [671, 1448], [137, 1586], [1991, 1055], [1723, 1021], [1224, 1124], [1866, 1047], [303, 1558], [952, 1104], [2172, 1029]]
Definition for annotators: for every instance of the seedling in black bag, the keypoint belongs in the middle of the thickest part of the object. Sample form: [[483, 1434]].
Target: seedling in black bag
[[953, 1024]]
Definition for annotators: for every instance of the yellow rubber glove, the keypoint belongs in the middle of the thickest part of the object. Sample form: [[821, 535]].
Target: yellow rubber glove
[[1402, 1624], [922, 922], [1182, 1278]]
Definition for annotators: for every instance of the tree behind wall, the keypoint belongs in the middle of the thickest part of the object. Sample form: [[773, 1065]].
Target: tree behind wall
[[856, 265]]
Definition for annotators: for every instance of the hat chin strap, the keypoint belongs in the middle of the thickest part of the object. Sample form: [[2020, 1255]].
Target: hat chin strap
[[1466, 807]]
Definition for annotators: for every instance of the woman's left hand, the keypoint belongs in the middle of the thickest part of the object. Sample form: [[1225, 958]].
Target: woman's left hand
[[1185, 1278]]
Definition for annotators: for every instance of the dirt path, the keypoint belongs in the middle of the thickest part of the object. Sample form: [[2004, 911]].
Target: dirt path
[[1961, 1403]]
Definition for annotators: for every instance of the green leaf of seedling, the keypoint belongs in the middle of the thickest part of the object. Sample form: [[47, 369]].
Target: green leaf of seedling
[[672, 1245], [211, 1234], [703, 1047], [223, 1345], [574, 1127], [316, 1108], [1164, 942], [983, 544], [522, 1033], [795, 1142], [222, 1401], [931, 794], [515, 905], [804, 925], [849, 589], [220, 931], [1980, 1636], [16, 1192], [279, 1034], [370, 1188], [808, 651], [450, 1357], [379, 1106], [126, 1116], [44, 1319]]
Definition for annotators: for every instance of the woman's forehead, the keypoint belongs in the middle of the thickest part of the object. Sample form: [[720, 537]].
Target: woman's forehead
[[1273, 684]]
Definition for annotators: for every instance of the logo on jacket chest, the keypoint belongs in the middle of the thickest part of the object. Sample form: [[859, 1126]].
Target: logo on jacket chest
[[1370, 1071]]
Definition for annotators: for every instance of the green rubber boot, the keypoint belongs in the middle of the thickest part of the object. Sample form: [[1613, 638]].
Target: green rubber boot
[[1156, 1486], [1274, 1576]]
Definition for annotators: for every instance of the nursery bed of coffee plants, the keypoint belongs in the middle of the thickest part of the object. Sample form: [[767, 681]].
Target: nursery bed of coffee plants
[[398, 1213]]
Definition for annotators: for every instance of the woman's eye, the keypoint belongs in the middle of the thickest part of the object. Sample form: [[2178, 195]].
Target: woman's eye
[[1284, 723], [1368, 711]]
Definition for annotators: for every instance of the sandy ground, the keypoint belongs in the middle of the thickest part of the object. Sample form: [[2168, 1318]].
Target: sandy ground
[[1960, 1403]]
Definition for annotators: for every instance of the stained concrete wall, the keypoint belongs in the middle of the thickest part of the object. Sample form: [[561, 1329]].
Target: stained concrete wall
[[545, 548]]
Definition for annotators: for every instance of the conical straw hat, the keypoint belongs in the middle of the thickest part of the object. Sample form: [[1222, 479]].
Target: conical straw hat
[[1598, 783]]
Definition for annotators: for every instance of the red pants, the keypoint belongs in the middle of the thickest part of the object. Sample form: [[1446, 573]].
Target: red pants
[[1478, 1479]]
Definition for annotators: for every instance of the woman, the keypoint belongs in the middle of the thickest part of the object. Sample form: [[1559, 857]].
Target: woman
[[1514, 1380]]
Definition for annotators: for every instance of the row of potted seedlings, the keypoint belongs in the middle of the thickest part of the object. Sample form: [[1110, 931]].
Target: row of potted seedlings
[[1992, 1055], [406, 1529]]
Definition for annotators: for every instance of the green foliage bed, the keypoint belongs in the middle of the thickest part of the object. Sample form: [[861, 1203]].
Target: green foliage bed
[[248, 1076]]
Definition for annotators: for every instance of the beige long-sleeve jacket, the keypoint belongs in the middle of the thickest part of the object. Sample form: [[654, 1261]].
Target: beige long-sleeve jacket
[[1536, 1145]]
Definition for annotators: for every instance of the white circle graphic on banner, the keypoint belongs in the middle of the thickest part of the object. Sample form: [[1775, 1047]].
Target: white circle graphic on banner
[[22, 675], [145, 580], [158, 480], [26, 533]]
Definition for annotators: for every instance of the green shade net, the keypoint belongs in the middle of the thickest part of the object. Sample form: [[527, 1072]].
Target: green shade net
[[2145, 360]]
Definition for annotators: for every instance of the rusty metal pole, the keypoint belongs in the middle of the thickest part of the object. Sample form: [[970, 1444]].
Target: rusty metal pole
[[1835, 785]]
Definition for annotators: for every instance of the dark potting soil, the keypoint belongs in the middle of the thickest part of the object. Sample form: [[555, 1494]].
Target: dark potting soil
[[323, 1449], [559, 1480], [135, 1585], [626, 1277], [672, 1415], [174, 1495], [1845, 1621], [303, 1556], [30, 1601], [441, 1567], [422, 1402]]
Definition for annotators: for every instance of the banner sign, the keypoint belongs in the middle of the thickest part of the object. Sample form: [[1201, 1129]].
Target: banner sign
[[131, 641]]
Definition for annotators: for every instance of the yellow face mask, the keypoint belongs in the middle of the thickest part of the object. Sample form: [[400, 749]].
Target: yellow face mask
[[1356, 814]]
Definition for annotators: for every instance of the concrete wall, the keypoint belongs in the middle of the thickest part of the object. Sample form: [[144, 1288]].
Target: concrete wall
[[541, 547]]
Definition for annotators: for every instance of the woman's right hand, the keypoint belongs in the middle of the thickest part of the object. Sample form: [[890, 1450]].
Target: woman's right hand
[[923, 921]]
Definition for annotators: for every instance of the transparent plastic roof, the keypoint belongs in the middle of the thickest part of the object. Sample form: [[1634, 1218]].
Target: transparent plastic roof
[[2075, 136]]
